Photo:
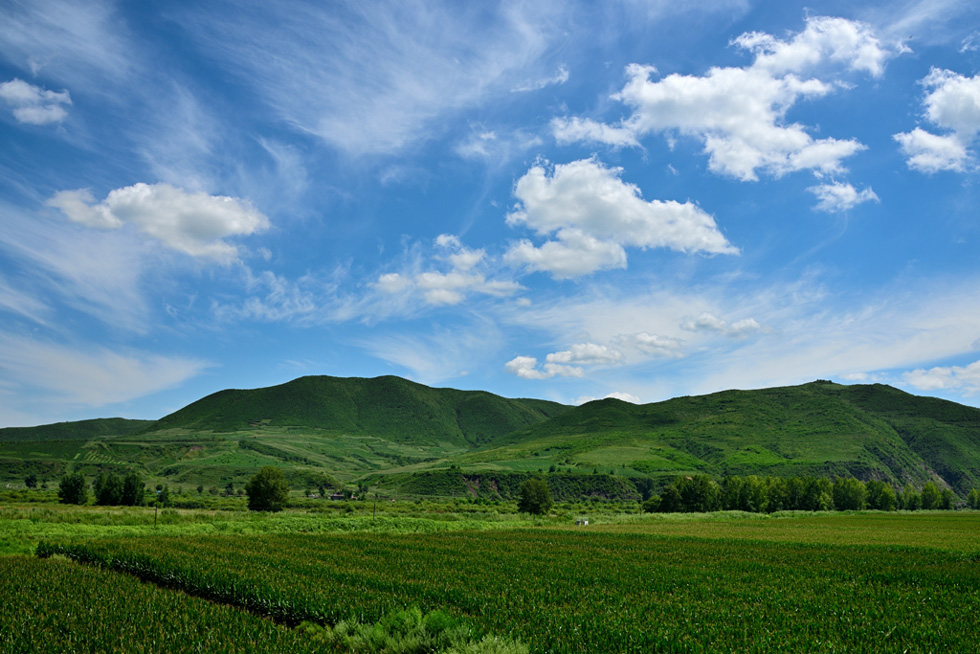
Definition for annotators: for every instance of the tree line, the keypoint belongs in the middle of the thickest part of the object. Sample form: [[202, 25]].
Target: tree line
[[701, 493], [108, 490]]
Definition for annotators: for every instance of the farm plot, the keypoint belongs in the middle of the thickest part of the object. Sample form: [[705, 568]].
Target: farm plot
[[60, 606], [565, 592]]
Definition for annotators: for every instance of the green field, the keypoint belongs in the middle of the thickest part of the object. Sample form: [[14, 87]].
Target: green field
[[865, 582]]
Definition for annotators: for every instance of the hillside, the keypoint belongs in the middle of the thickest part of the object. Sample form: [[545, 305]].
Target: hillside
[[393, 433], [390, 408], [821, 428], [78, 430]]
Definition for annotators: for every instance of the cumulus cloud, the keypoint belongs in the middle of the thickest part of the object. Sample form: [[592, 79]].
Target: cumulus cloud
[[952, 103], [838, 196], [965, 378], [567, 363], [34, 105], [192, 223], [594, 215], [451, 286], [739, 113], [712, 323]]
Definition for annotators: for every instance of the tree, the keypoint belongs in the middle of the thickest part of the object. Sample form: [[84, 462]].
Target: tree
[[267, 490], [73, 489], [881, 496], [133, 490], [163, 498], [535, 497], [947, 500], [930, 496], [31, 480], [108, 489], [849, 494], [910, 499]]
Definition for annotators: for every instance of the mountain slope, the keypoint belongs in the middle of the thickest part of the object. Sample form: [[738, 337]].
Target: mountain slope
[[819, 428], [78, 430], [388, 407]]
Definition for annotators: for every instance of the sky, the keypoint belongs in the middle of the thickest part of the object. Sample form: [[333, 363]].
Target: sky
[[560, 200]]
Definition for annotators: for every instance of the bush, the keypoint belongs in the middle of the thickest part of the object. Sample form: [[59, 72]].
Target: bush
[[73, 489], [267, 490], [535, 497]]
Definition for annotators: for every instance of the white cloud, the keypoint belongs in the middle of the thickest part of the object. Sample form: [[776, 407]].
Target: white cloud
[[953, 105], [931, 153], [90, 376], [654, 345], [375, 77], [739, 113], [192, 223], [560, 77], [825, 39], [710, 322], [593, 215], [965, 378], [34, 105], [96, 272], [567, 363], [440, 352], [839, 196], [447, 287], [586, 354]]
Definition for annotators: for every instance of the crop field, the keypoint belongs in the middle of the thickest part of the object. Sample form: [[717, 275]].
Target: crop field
[[59, 606], [768, 588]]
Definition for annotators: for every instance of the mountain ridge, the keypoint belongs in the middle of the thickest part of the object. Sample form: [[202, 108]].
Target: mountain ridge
[[388, 428]]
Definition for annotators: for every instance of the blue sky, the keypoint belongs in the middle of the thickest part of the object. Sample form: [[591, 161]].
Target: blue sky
[[540, 199]]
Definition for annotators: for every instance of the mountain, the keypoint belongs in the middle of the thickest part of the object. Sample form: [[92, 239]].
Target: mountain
[[390, 408], [78, 430], [820, 428], [392, 432]]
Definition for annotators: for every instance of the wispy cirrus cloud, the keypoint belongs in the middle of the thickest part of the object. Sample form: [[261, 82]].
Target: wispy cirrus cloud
[[376, 77], [90, 376]]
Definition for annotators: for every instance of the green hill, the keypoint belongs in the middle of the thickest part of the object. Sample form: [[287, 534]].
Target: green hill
[[389, 407], [79, 430], [394, 433], [821, 429]]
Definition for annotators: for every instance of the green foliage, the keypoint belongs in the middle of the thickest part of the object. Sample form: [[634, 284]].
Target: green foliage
[[535, 497], [267, 490], [931, 496], [881, 496], [31, 480], [73, 489], [406, 632], [849, 494]]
